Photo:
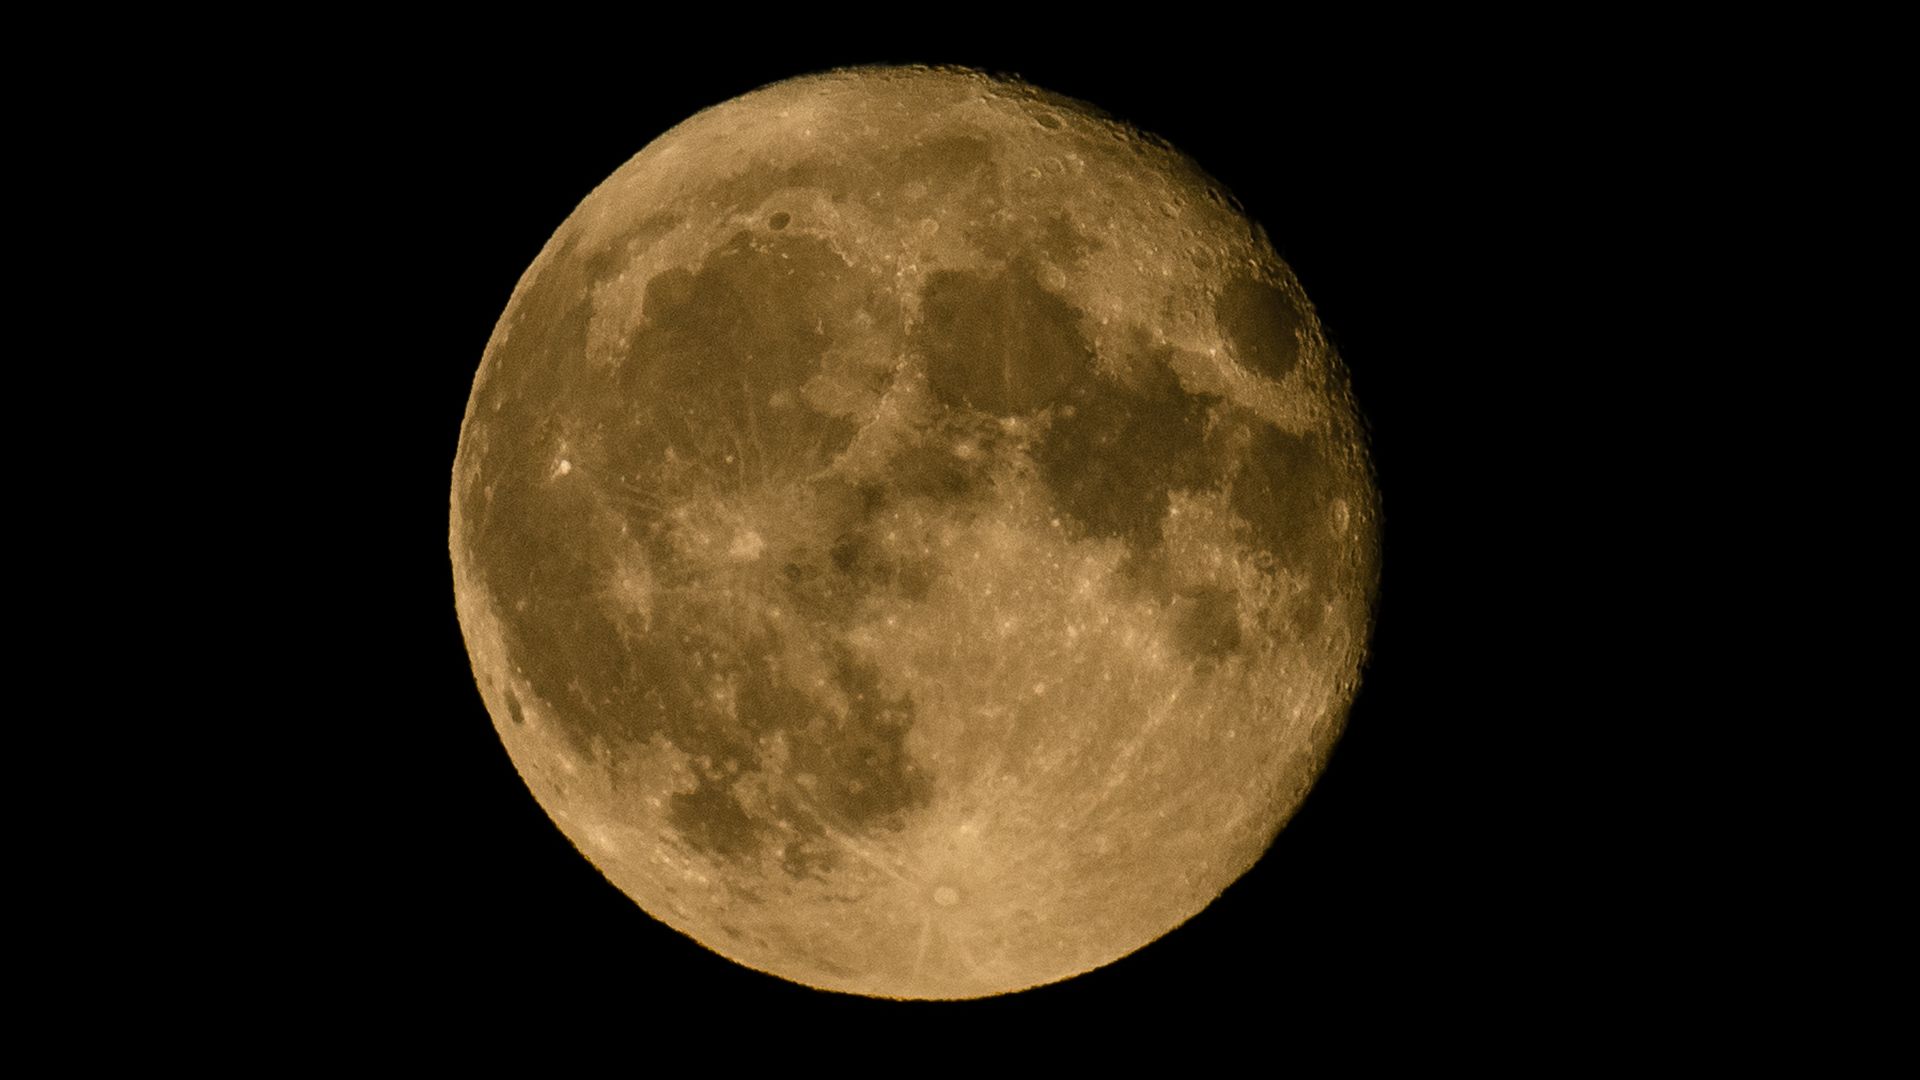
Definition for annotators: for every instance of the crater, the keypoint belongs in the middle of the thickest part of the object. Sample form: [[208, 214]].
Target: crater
[[1262, 325]]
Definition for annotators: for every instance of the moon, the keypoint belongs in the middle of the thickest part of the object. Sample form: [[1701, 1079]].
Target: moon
[[913, 535]]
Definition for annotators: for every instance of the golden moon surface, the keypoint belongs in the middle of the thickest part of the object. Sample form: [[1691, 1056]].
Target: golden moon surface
[[912, 534]]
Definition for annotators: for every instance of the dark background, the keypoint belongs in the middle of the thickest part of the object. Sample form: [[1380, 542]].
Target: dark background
[[1427, 202]]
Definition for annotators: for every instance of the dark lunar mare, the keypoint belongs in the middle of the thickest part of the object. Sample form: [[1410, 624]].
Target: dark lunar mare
[[719, 363]]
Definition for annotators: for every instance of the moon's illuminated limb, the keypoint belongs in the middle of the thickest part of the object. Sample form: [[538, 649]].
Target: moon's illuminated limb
[[913, 535]]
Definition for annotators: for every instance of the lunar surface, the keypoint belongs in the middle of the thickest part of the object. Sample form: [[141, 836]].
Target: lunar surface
[[912, 534]]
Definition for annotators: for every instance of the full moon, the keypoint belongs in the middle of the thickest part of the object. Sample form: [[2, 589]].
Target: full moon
[[913, 535]]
